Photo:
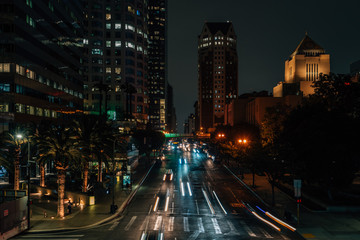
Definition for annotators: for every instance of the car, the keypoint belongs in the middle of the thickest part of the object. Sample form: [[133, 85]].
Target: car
[[168, 176]]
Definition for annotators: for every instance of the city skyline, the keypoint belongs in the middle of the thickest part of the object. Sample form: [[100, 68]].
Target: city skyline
[[262, 47]]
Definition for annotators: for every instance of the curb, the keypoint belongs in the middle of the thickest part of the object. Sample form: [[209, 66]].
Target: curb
[[116, 214]]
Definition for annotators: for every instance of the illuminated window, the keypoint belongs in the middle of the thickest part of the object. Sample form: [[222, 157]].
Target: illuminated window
[[118, 70], [117, 43], [117, 25], [4, 107], [108, 26], [108, 16], [29, 3], [130, 45], [108, 43], [139, 48], [108, 70], [4, 67], [129, 27], [96, 51]]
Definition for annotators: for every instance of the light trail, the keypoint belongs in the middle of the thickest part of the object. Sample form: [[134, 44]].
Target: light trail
[[219, 202], [167, 204], [188, 185], [156, 204], [182, 189], [266, 221], [277, 220], [164, 177], [185, 161], [208, 202], [180, 160]]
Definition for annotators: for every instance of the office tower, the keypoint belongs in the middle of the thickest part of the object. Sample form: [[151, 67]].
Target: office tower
[[157, 65], [303, 67], [171, 125], [116, 67], [40, 60], [217, 71]]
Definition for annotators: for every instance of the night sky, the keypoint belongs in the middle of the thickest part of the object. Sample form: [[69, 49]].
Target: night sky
[[267, 33]]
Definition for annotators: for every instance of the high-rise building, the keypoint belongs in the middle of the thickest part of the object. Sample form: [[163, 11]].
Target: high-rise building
[[157, 65], [217, 71], [355, 67], [171, 112], [40, 61], [303, 67], [116, 67]]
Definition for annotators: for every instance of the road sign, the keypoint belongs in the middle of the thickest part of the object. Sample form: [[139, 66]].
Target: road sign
[[297, 187]]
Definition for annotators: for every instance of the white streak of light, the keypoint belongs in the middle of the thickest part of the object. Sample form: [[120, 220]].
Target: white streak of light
[[167, 203], [208, 202], [182, 189], [216, 226], [188, 185], [180, 160], [265, 221], [185, 161], [220, 203], [143, 236], [171, 177], [164, 177], [281, 222], [156, 204]]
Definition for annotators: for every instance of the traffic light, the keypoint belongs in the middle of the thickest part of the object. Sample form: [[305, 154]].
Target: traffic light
[[298, 200]]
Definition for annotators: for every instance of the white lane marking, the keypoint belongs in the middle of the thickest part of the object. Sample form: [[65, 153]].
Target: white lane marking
[[285, 237], [200, 225], [247, 229], [130, 223], [232, 228], [113, 226], [266, 234], [172, 207], [182, 189], [144, 224], [186, 224], [158, 223], [216, 226], [189, 188], [150, 210], [219, 202], [171, 224], [197, 207]]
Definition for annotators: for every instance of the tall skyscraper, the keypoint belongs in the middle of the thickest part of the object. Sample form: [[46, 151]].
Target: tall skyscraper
[[171, 125], [116, 42], [157, 66], [40, 60], [303, 67], [217, 71]]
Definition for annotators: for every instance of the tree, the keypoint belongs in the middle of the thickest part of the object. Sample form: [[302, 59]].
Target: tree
[[94, 136], [58, 144]]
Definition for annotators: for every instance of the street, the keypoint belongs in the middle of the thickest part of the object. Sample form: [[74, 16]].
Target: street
[[202, 201]]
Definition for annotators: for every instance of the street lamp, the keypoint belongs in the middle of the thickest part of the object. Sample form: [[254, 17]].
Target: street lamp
[[242, 141], [19, 136]]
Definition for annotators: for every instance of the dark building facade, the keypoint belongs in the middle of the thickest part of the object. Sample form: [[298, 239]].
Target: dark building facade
[[117, 55], [157, 65], [40, 60], [171, 125], [355, 67], [217, 71]]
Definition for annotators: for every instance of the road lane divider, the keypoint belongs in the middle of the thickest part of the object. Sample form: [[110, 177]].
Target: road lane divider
[[219, 202], [208, 201], [216, 226]]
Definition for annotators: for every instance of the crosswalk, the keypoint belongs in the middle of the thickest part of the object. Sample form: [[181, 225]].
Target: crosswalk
[[50, 236], [196, 225]]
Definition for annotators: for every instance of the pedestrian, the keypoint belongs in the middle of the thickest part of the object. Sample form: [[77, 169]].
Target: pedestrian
[[69, 207]]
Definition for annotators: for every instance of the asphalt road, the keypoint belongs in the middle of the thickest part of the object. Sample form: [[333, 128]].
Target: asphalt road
[[203, 201]]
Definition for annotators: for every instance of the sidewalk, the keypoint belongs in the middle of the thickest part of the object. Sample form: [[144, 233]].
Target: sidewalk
[[315, 225], [81, 217]]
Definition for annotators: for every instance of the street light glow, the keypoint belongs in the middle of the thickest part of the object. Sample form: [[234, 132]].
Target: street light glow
[[19, 136]]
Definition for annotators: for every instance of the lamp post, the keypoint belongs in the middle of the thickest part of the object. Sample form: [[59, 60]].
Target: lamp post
[[19, 136]]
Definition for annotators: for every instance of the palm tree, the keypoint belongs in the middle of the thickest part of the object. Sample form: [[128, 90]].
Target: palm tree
[[58, 144], [13, 141], [93, 136], [102, 88]]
